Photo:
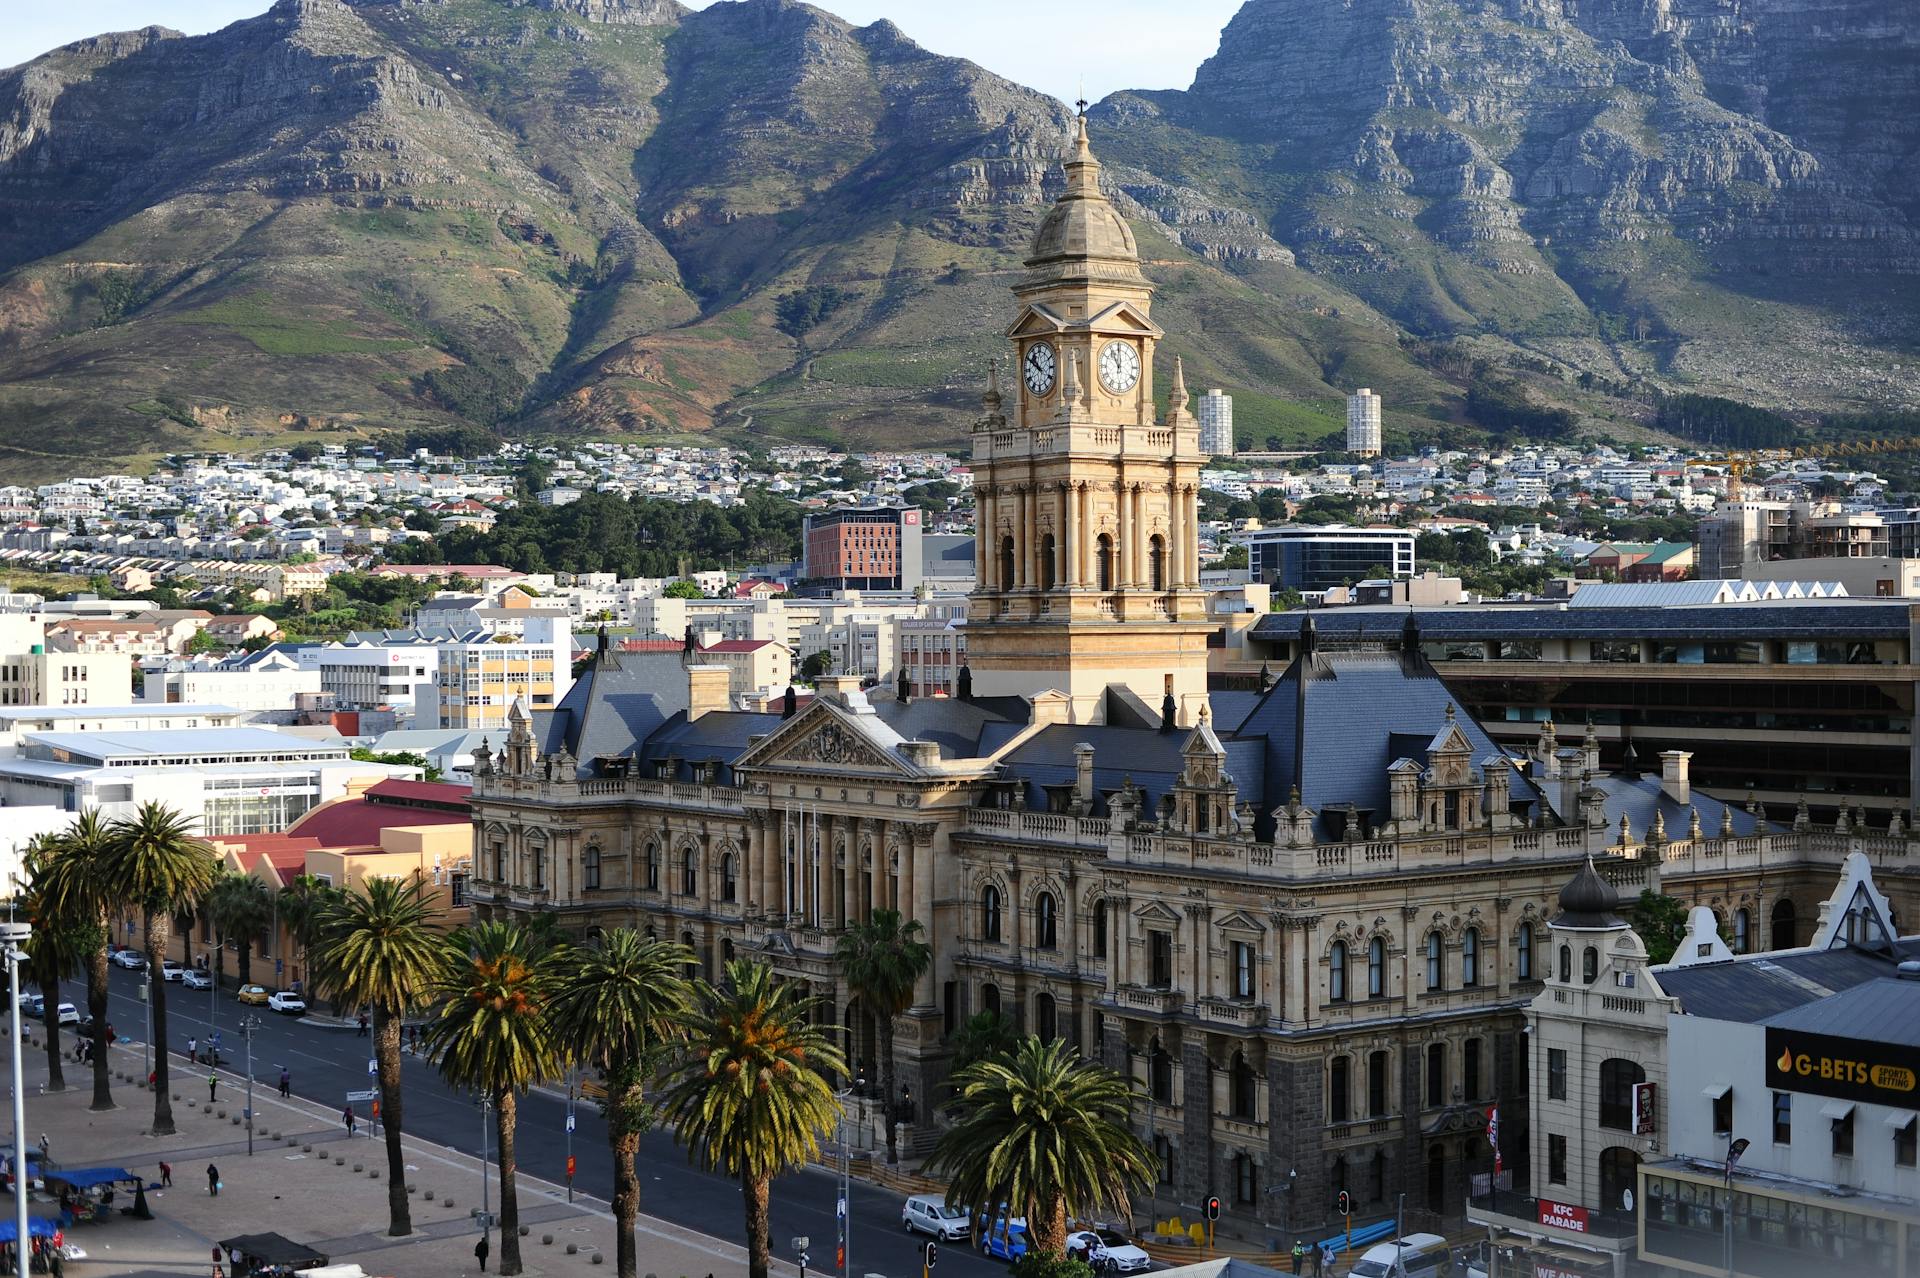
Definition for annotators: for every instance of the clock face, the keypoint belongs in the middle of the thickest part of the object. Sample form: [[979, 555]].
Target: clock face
[[1039, 366], [1119, 367]]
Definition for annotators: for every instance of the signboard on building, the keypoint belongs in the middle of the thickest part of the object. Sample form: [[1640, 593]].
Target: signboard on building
[[1644, 1109], [1847, 1068], [1542, 1269], [1563, 1216]]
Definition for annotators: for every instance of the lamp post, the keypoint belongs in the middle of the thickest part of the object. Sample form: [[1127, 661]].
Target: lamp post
[[573, 1091], [486, 1156], [247, 1023], [843, 1208], [13, 935]]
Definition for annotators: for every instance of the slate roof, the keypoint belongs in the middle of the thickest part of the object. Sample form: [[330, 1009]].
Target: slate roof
[[1639, 797], [1796, 618], [719, 736], [1884, 1010], [1754, 990], [959, 728], [614, 705]]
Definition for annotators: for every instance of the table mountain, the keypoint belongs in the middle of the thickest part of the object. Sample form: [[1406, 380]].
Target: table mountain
[[624, 217]]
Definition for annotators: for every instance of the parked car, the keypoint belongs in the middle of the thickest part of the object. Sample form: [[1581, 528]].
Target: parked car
[[255, 994], [197, 980], [1121, 1255], [132, 960], [923, 1213], [69, 1014], [1006, 1239], [33, 1004], [286, 1001], [172, 971], [1416, 1256]]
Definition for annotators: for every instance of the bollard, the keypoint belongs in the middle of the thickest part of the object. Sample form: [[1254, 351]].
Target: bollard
[[412, 1188], [339, 1162], [525, 1230], [546, 1240], [573, 1249], [306, 1149], [373, 1173], [358, 1168], [599, 1258], [446, 1202]]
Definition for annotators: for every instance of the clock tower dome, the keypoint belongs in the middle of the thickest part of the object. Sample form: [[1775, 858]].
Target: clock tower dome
[[1087, 507]]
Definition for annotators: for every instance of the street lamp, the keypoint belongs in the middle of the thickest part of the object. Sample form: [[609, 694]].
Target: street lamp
[[247, 1024], [843, 1209], [13, 935], [486, 1155]]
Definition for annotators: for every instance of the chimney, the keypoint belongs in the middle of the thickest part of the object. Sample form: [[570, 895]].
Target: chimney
[[707, 690], [1673, 776], [838, 687], [921, 754], [1083, 775]]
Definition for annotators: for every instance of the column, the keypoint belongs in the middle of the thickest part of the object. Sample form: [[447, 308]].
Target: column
[[1030, 530], [1071, 528], [986, 542], [1193, 535], [1123, 536], [1084, 538], [1022, 545], [1142, 566]]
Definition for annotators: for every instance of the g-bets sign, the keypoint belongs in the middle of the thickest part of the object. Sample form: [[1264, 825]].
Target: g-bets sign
[[1563, 1216], [1847, 1068]]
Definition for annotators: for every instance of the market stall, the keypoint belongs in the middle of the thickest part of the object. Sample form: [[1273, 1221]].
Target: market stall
[[270, 1255], [91, 1194]]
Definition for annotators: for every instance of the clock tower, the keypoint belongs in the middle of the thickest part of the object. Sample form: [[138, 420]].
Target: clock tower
[[1087, 507]]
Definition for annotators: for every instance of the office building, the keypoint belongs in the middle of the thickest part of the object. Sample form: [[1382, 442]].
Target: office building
[[1363, 423], [479, 679], [864, 548], [1317, 557], [1741, 534], [41, 678], [1215, 413]]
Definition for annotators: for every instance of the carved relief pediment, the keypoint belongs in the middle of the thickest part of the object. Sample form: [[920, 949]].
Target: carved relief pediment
[[822, 738]]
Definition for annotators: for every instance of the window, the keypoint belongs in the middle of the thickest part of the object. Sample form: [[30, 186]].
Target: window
[[1243, 969], [1159, 1072], [1742, 930], [729, 878], [1103, 562], [1337, 972], [1470, 957], [1160, 958], [1556, 1073], [1436, 976], [1164, 1155], [1723, 1113], [689, 873], [1246, 1187], [1048, 926], [1045, 1017], [1377, 1085], [1470, 1070], [1783, 1118], [1557, 1159], [1904, 1144], [1436, 1074], [1378, 1190], [1590, 965], [990, 913], [1339, 1181], [990, 998], [590, 867], [1566, 963], [1376, 968], [539, 867], [1523, 953], [1617, 1079], [1100, 929], [1339, 1090], [1783, 921], [653, 867], [1843, 1134], [1245, 1087], [499, 863]]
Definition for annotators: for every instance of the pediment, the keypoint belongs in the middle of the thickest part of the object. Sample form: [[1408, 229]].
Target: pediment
[[1035, 321], [1450, 740], [1239, 921], [1125, 317], [1156, 912], [823, 737]]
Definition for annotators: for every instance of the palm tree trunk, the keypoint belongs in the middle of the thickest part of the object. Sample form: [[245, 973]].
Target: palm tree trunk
[[386, 1050], [157, 928], [753, 1192], [506, 1117], [1048, 1226], [624, 1138], [885, 1025], [56, 1078], [97, 1008]]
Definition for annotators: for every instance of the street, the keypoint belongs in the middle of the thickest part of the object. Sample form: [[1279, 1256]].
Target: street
[[327, 1062]]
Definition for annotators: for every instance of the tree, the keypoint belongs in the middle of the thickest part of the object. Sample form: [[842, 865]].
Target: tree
[[155, 861], [754, 1094], [814, 665], [75, 885], [304, 904], [619, 1002], [981, 1036], [492, 1037], [378, 947], [1046, 1133], [240, 907], [883, 960], [56, 947], [1661, 922], [201, 641], [682, 590]]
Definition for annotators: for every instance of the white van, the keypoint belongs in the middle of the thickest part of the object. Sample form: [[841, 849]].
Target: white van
[[926, 1214], [1419, 1256]]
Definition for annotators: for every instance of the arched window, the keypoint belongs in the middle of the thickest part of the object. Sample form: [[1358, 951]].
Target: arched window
[[653, 867], [1100, 929], [1590, 965], [1339, 1090], [990, 913], [1049, 559], [1782, 936], [1470, 957], [1619, 1169], [1436, 960], [1006, 563], [729, 879], [1246, 1180], [1157, 561], [1617, 1078], [1103, 562], [1045, 1016], [1566, 963], [1245, 1088], [1377, 1085], [990, 998], [726, 949], [1742, 930], [1523, 953], [1048, 927], [689, 873], [1376, 968], [1436, 1074], [693, 964], [1337, 972], [1470, 1069], [1159, 1072], [590, 866]]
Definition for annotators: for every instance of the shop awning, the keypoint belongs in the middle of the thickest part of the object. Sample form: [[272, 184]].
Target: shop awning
[[88, 1177], [37, 1227]]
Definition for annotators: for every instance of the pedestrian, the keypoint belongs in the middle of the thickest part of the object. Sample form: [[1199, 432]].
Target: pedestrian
[[166, 1175], [349, 1118], [213, 1181], [286, 1081], [1327, 1259], [1313, 1260], [193, 1050], [213, 1087], [46, 1148], [363, 1025], [480, 1250], [1299, 1255], [111, 1036]]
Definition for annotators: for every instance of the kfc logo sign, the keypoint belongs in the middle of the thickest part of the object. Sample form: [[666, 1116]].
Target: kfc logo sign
[[1563, 1216]]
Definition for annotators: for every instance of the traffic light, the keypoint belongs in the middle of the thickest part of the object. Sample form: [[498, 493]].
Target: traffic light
[[933, 1254], [1213, 1209], [1344, 1203]]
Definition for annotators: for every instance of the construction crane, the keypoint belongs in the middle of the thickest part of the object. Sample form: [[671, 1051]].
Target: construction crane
[[1738, 463]]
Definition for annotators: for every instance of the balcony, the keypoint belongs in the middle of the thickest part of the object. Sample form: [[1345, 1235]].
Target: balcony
[[1510, 1209], [1233, 1012], [1139, 998]]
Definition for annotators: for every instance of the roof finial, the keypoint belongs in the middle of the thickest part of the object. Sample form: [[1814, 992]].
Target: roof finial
[[1177, 394], [992, 397]]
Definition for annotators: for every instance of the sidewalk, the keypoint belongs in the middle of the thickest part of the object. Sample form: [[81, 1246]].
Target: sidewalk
[[309, 1181]]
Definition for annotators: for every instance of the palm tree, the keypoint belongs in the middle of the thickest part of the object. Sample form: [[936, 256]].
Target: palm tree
[[492, 1036], [240, 907], [379, 948], [55, 948], [75, 885], [883, 960], [303, 904], [1045, 1133], [619, 1002], [754, 1093], [156, 861]]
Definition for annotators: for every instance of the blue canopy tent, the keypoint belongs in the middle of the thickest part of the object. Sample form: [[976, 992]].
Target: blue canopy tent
[[88, 1177], [37, 1227]]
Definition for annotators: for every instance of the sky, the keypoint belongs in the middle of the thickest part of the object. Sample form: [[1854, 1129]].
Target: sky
[[1056, 46]]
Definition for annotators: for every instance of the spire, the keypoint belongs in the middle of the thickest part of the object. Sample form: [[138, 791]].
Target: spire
[[991, 400], [1083, 171], [1177, 394]]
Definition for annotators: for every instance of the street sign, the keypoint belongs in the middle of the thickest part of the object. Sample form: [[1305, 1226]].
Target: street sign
[[569, 1166], [361, 1096], [279, 966], [840, 1207], [569, 1122], [373, 1067]]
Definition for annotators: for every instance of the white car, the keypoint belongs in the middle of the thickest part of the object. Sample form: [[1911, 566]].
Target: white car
[[197, 981], [1118, 1250], [132, 960], [171, 971], [69, 1014], [923, 1213], [285, 1001]]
